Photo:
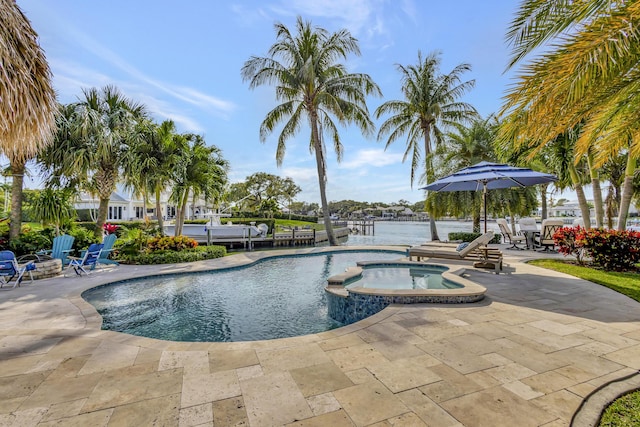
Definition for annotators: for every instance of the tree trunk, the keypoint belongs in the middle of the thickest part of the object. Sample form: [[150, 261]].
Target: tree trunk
[[159, 211], [322, 181], [183, 213], [17, 173], [627, 193], [430, 177], [582, 200], [543, 200], [103, 210], [597, 192]]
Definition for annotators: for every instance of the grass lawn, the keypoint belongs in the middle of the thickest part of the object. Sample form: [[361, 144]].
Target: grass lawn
[[625, 283], [623, 412]]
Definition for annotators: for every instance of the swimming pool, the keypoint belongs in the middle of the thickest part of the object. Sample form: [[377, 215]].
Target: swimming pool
[[277, 297], [394, 276]]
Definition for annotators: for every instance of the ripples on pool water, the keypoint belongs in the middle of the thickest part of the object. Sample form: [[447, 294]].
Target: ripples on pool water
[[276, 298]]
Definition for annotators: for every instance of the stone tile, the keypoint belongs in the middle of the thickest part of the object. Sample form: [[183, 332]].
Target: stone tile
[[320, 379], [355, 357], [563, 404], [196, 415], [359, 376], [393, 350], [596, 348], [10, 405], [24, 418], [93, 419], [62, 390], [457, 358], [555, 327], [69, 368], [230, 413], [497, 359], [64, 409], [496, 407], [533, 359], [403, 374], [323, 403], [21, 365], [199, 389], [453, 384], [126, 386], [343, 341], [483, 379], [288, 358], [274, 399], [548, 382], [249, 372], [582, 389], [612, 337], [161, 411], [73, 347], [588, 362], [224, 360], [629, 356], [427, 410], [23, 345], [333, 419], [192, 362], [108, 356], [389, 331], [475, 344], [148, 355], [523, 390], [369, 403], [21, 385]]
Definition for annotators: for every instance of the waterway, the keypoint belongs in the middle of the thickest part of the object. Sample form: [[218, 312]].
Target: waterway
[[410, 232]]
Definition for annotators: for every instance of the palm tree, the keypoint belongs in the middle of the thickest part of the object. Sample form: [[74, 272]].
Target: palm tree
[[432, 103], [27, 100], [200, 171], [91, 144], [314, 87], [588, 75]]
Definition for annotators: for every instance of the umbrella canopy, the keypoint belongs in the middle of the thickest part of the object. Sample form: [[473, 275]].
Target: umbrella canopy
[[487, 176]]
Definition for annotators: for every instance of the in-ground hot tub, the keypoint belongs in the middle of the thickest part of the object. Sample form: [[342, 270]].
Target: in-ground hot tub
[[365, 290]]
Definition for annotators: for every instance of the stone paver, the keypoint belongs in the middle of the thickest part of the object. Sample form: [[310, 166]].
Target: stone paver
[[527, 355]]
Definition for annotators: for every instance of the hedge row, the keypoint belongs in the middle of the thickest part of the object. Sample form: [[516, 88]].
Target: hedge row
[[199, 253]]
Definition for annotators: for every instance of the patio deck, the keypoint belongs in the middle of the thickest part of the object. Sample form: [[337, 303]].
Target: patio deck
[[527, 355]]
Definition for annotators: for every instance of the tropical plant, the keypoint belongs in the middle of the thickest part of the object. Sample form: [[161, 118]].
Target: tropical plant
[[585, 74], [314, 87], [27, 100], [431, 105], [93, 138], [54, 207]]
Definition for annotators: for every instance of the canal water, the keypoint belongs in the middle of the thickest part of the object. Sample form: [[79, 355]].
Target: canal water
[[410, 232]]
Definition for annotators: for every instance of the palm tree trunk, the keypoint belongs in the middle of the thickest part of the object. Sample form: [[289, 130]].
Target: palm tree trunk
[[183, 212], [597, 191], [627, 192], [430, 178], [322, 183], [543, 200], [582, 200], [159, 211], [103, 210], [17, 173]]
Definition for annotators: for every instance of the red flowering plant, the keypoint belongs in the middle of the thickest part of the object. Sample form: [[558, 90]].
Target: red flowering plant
[[612, 249], [569, 242], [109, 228]]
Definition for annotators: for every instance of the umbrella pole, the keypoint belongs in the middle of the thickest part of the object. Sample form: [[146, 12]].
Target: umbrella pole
[[484, 204]]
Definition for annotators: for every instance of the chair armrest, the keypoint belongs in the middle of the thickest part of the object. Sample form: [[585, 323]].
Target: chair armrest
[[44, 251]]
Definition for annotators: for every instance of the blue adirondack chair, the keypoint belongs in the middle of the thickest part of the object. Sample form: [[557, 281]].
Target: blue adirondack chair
[[88, 261], [9, 268], [62, 247], [108, 242]]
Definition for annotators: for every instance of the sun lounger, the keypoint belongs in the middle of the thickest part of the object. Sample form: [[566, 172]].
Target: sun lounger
[[476, 251]]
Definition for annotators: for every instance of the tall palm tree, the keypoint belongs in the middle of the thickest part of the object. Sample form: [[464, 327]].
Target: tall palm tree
[[432, 104], [27, 100], [587, 74], [91, 145], [314, 87]]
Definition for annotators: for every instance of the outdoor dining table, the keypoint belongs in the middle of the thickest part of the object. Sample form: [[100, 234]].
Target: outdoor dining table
[[530, 232]]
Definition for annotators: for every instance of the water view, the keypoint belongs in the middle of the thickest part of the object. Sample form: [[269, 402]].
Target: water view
[[410, 232]]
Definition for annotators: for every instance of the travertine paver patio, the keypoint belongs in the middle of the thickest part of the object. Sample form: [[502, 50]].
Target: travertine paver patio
[[527, 355]]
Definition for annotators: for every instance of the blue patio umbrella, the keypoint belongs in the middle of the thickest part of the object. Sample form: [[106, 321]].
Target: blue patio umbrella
[[488, 176]]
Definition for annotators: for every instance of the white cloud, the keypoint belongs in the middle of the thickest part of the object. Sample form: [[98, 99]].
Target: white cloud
[[372, 157]]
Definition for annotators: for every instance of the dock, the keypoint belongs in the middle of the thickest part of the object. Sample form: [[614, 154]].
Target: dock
[[289, 238]]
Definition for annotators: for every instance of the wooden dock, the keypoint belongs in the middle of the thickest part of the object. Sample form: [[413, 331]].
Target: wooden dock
[[294, 237]]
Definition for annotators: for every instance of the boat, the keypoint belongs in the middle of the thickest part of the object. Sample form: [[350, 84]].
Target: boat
[[215, 230]]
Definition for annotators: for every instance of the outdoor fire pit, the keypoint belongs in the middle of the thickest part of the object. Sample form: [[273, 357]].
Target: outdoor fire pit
[[45, 265]]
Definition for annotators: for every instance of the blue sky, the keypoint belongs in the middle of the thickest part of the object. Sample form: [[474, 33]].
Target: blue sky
[[183, 61]]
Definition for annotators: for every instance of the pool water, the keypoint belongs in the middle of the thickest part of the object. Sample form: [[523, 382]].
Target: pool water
[[275, 298], [403, 277]]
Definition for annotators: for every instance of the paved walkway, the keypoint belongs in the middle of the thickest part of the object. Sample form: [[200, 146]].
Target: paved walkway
[[527, 355]]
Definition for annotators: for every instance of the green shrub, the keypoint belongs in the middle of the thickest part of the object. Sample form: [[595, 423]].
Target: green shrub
[[169, 257], [83, 238], [469, 237], [171, 243], [31, 241]]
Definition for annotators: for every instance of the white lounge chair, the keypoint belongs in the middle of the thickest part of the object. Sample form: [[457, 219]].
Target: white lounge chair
[[509, 237], [549, 228]]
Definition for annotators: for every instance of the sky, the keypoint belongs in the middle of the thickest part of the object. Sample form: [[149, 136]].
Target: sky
[[183, 61]]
